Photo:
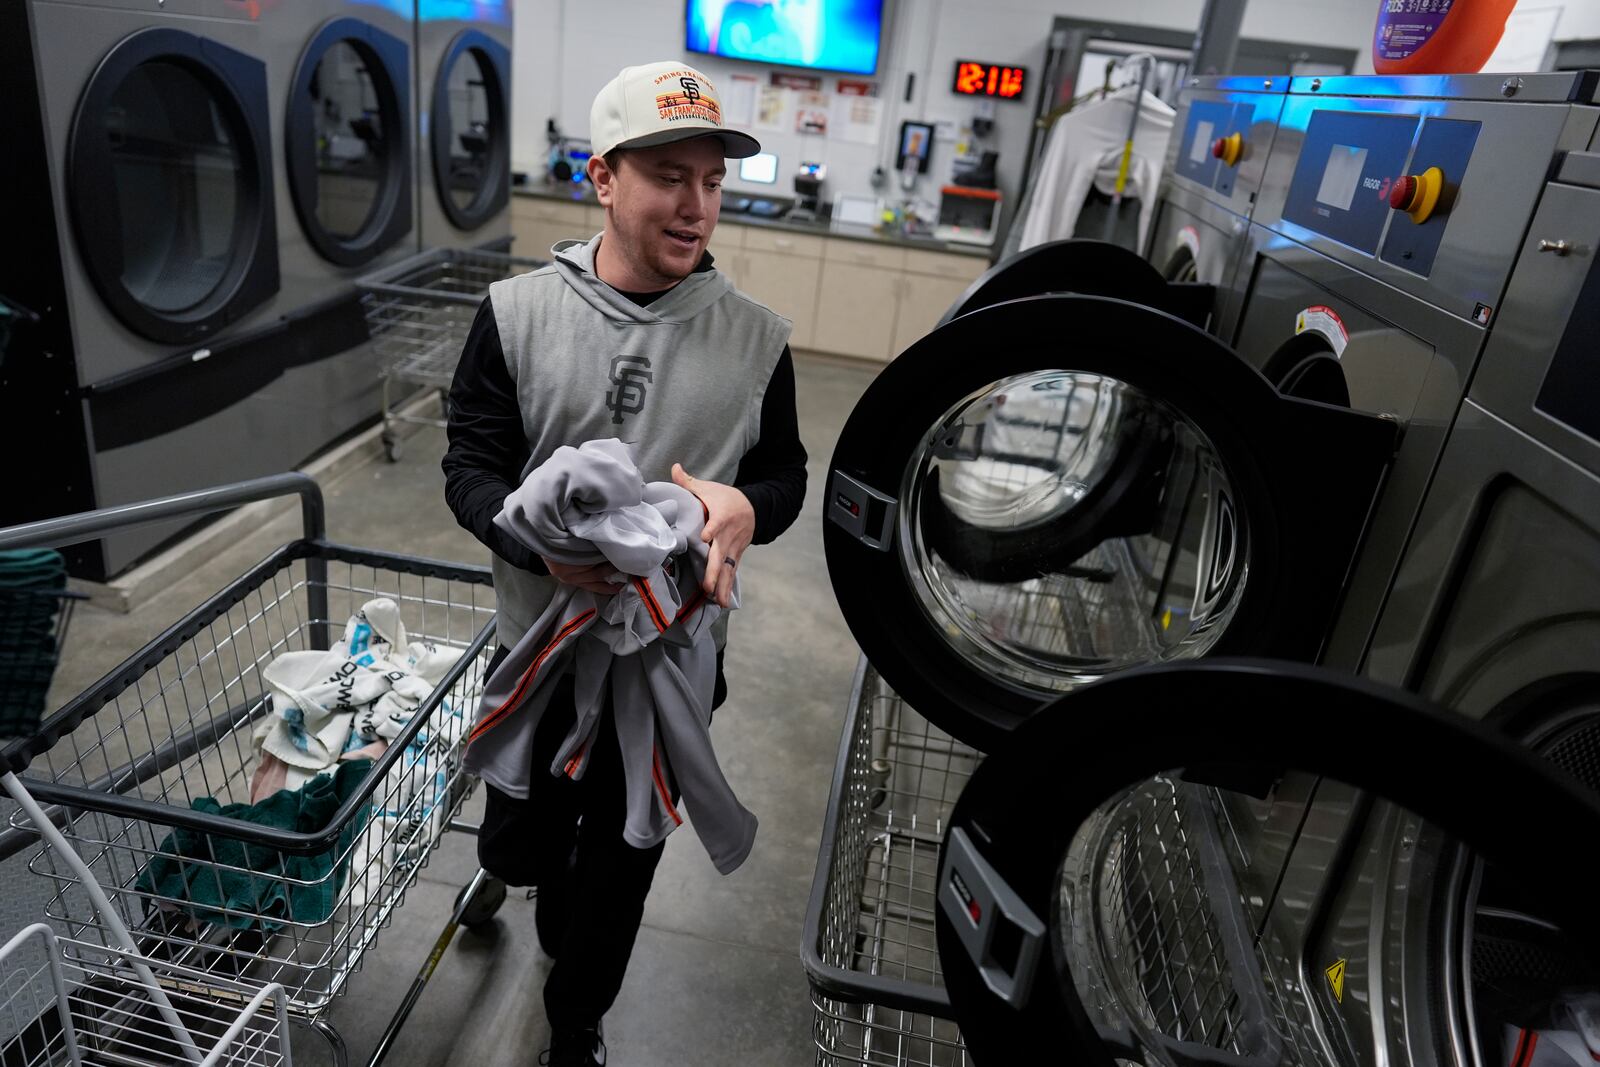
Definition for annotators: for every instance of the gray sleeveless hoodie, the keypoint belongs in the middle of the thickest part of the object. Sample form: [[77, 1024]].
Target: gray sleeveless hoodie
[[681, 381]]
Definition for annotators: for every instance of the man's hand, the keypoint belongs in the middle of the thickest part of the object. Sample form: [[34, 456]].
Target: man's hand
[[730, 524], [590, 576]]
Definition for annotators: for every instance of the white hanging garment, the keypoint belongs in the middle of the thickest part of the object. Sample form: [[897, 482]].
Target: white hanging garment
[[1084, 149]]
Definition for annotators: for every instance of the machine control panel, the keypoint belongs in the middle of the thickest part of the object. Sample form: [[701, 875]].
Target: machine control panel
[[1348, 164], [1216, 138], [1428, 192], [1208, 120]]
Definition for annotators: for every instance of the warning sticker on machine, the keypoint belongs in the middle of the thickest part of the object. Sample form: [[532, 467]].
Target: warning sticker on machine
[[1326, 322], [1336, 980], [1189, 238]]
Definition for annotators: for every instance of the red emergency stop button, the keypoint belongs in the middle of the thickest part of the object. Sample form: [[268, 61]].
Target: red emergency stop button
[[1229, 149], [1402, 193], [1417, 194]]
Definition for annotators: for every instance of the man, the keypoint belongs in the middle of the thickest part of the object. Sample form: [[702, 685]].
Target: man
[[633, 334]]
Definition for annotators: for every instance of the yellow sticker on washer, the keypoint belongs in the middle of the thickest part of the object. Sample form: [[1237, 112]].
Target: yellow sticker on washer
[[1336, 980]]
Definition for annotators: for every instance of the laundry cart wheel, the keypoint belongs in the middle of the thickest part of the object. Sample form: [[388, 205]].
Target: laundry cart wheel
[[392, 449], [481, 909]]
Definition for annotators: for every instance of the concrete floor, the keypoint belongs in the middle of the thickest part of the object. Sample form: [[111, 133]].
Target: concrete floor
[[715, 977]]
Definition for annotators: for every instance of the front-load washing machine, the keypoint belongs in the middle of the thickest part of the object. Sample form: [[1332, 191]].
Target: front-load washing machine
[[1225, 129], [1048, 490], [1379, 938], [463, 57], [1088, 909], [1391, 213], [146, 219], [1495, 613]]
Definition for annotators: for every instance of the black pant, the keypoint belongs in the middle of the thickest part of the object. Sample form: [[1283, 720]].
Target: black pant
[[529, 842]]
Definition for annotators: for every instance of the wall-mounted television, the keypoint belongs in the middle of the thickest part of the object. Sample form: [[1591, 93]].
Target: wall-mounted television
[[842, 35]]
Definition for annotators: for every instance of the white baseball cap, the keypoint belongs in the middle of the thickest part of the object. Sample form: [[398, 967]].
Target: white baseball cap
[[659, 103]]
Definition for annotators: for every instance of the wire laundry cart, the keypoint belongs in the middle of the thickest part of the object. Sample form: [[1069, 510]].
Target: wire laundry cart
[[136, 773], [1158, 930], [877, 994], [419, 311]]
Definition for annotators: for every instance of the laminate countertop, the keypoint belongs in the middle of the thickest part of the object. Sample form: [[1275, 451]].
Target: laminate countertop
[[848, 231]]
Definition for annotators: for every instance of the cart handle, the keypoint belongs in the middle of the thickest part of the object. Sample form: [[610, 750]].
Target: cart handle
[[84, 526]]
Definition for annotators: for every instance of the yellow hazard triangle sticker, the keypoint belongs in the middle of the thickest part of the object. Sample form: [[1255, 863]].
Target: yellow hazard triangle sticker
[[1336, 980]]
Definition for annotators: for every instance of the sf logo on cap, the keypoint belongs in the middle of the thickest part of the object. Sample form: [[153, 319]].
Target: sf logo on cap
[[691, 100]]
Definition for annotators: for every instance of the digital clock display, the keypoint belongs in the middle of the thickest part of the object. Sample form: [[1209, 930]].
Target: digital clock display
[[989, 79]]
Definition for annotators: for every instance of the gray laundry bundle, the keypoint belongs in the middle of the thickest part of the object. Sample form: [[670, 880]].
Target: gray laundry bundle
[[650, 642]]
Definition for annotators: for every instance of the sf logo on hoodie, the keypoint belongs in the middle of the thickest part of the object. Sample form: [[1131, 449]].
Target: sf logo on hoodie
[[629, 374]]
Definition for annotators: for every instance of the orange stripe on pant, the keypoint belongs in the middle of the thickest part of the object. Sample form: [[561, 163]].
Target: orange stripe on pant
[[657, 616], [494, 717], [661, 786]]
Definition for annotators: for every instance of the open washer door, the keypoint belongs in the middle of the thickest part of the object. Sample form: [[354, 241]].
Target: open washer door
[[1046, 491], [1086, 908]]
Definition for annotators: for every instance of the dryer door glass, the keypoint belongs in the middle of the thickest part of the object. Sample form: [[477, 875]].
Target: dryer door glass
[[350, 141], [176, 176], [169, 183], [1069, 524], [469, 125], [471, 131], [1050, 490], [347, 147], [1106, 915]]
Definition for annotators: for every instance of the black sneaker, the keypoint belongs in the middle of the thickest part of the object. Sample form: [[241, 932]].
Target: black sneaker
[[575, 1048]]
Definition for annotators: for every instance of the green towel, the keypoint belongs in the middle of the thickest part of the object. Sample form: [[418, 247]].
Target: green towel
[[275, 895], [31, 583]]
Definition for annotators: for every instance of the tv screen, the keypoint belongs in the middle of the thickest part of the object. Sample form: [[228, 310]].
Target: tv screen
[[840, 35]]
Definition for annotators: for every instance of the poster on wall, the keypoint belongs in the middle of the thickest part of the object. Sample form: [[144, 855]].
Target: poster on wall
[[805, 83], [739, 101], [857, 87], [773, 106], [811, 113], [857, 119]]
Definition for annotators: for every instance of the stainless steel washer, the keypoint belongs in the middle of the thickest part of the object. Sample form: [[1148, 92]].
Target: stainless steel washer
[[1215, 166], [145, 237]]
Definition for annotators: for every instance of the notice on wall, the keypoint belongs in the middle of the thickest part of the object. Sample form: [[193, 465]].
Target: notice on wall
[[774, 108], [739, 100], [811, 113], [857, 119], [804, 83]]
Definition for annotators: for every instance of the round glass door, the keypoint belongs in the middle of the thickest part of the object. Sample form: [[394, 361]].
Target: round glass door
[[1142, 907], [347, 141], [470, 130], [1065, 525], [1048, 491], [169, 185]]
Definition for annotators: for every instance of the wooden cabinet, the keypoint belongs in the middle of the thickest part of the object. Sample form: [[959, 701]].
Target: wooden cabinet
[[924, 298], [538, 223], [855, 310], [778, 269], [787, 285]]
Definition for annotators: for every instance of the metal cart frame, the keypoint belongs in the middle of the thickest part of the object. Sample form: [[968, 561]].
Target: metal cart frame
[[877, 994], [121, 765], [419, 312]]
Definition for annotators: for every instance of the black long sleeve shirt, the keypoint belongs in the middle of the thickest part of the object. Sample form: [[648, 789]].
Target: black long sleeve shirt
[[488, 449]]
